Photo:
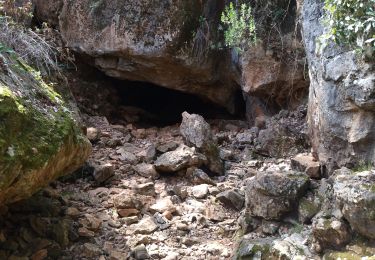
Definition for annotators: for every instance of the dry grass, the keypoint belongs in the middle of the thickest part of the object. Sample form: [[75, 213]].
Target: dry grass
[[29, 45]]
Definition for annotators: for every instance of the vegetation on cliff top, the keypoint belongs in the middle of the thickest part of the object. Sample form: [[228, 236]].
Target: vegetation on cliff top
[[352, 23]]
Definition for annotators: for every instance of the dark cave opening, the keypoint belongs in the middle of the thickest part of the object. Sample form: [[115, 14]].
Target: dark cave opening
[[162, 106], [141, 103]]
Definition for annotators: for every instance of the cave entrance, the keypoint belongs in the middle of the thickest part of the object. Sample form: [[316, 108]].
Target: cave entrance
[[161, 106], [140, 103]]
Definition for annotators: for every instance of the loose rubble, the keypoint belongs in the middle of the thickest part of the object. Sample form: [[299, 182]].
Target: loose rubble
[[151, 194]]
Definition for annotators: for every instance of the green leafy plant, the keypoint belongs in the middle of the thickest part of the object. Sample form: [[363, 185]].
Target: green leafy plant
[[239, 24], [352, 23]]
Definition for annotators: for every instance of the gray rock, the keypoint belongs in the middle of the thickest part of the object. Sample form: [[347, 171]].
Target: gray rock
[[170, 146], [271, 195], [253, 249], [355, 195], [161, 221], [103, 172], [284, 134], [146, 226], [199, 177], [197, 132], [140, 252], [248, 223], [181, 158], [246, 137], [341, 102], [146, 170], [148, 154], [145, 189], [306, 163], [270, 227], [288, 247], [308, 207], [127, 156], [329, 234], [200, 191], [231, 198]]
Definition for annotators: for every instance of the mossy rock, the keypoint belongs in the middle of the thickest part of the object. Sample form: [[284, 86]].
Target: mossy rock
[[39, 136]]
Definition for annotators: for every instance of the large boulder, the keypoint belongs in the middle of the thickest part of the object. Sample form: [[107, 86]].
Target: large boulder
[[271, 195], [355, 195], [342, 97], [197, 133], [39, 137], [167, 43]]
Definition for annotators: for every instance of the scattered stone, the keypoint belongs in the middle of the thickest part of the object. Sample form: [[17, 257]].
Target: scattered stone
[[93, 134], [130, 220], [163, 204], [148, 154], [200, 191], [72, 212], [161, 221], [124, 200], [329, 234], [146, 170], [270, 227], [308, 207], [91, 222], [248, 223], [127, 212], [181, 158], [246, 137], [103, 172], [271, 195], [91, 250], [231, 198], [145, 189], [127, 156], [84, 232], [169, 146], [145, 226], [140, 252], [172, 256], [215, 212], [199, 177], [306, 163]]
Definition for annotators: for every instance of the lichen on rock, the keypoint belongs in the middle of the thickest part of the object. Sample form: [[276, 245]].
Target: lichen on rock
[[39, 136]]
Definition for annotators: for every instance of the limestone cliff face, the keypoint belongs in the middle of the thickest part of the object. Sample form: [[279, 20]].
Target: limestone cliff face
[[174, 44], [163, 42], [39, 137], [342, 97]]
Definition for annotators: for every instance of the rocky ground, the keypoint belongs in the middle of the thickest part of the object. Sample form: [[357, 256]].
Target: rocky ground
[[188, 191]]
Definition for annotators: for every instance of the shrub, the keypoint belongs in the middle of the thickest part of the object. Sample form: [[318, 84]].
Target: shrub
[[239, 26], [352, 23]]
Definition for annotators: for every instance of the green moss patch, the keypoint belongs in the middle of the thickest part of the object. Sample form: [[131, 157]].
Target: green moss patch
[[34, 123]]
